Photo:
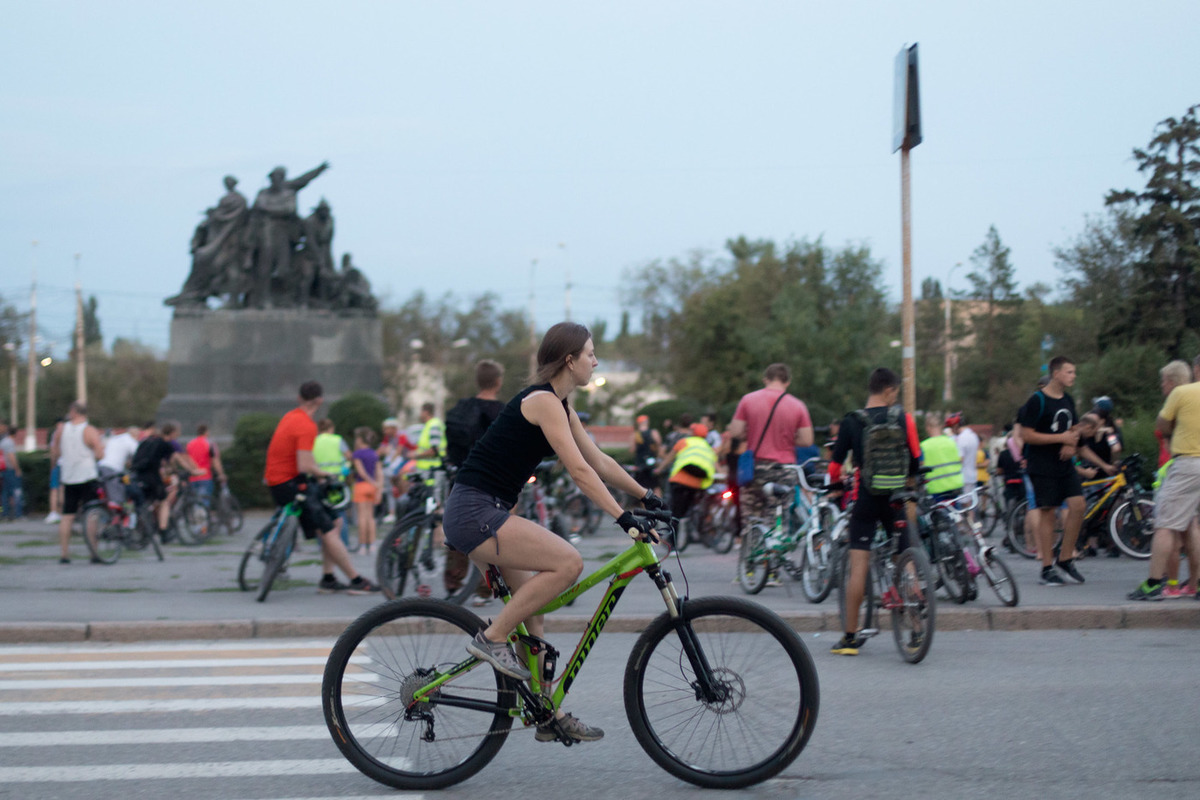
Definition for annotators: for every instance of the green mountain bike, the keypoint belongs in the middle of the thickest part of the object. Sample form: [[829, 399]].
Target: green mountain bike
[[719, 691]]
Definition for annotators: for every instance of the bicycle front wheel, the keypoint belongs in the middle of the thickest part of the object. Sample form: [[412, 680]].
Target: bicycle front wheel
[[98, 525], [866, 609], [278, 550], [816, 569], [396, 560], [1132, 527], [914, 617], [367, 694], [764, 702], [197, 520], [248, 575], [754, 563], [231, 513], [723, 529], [1000, 578]]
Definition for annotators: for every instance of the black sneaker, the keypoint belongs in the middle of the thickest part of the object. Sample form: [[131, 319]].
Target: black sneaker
[[1069, 568], [847, 645], [361, 585], [1050, 577], [330, 585], [1145, 591]]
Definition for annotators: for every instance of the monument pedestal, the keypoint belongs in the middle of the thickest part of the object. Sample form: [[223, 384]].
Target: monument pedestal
[[223, 364]]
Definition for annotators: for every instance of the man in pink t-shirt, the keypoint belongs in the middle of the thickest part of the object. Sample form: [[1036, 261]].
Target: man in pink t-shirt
[[790, 427]]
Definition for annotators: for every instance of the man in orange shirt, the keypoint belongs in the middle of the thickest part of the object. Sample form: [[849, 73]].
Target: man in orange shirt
[[291, 468]]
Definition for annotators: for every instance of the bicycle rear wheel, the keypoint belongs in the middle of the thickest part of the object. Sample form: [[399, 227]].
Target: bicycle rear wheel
[[766, 701], [196, 519], [1015, 531], [395, 563], [367, 694], [816, 571], [109, 538], [279, 547], [946, 556], [913, 621], [1131, 526], [866, 609], [754, 563], [230, 512]]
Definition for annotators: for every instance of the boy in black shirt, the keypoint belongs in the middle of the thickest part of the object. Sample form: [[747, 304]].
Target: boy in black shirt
[[1048, 427]]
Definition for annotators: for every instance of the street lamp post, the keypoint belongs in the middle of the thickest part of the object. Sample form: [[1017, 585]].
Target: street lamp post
[[31, 387], [13, 418], [948, 383]]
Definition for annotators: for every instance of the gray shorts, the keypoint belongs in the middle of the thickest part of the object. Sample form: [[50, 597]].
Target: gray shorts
[[1178, 499], [471, 517]]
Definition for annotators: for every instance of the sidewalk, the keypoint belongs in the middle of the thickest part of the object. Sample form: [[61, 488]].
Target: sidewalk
[[193, 594]]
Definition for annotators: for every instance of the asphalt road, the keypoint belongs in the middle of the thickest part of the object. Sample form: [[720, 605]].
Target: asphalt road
[[1062, 714]]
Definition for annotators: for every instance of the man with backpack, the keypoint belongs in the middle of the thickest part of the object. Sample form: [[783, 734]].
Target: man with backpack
[[466, 423], [884, 442]]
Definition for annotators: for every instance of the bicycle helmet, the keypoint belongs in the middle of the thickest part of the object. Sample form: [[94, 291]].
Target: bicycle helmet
[[954, 419], [334, 495], [1103, 403]]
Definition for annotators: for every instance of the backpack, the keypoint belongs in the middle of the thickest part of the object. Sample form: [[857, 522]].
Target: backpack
[[886, 456], [465, 423]]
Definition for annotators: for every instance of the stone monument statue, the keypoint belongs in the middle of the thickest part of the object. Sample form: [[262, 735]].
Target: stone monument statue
[[287, 314]]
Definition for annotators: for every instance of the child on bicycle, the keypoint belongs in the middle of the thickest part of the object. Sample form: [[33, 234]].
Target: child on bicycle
[[537, 564]]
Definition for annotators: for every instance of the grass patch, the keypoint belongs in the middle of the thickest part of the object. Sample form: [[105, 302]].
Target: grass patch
[[35, 543], [308, 562], [9, 561], [120, 590], [218, 589], [608, 555]]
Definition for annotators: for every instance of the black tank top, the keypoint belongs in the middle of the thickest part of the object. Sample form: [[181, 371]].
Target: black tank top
[[501, 462]]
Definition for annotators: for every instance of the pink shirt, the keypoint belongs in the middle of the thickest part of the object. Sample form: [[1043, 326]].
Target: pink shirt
[[780, 442]]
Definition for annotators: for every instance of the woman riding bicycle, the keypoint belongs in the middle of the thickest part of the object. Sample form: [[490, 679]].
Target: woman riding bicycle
[[538, 565]]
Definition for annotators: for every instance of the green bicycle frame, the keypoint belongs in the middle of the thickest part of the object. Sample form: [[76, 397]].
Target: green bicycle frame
[[622, 569]]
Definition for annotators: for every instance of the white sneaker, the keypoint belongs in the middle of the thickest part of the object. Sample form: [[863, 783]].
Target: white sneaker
[[52, 518], [389, 519]]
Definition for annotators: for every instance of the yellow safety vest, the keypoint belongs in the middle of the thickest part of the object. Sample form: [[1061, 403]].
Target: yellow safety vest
[[327, 452], [942, 458], [697, 453], [425, 441]]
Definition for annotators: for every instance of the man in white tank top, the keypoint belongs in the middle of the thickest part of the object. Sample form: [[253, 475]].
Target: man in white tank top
[[80, 446]]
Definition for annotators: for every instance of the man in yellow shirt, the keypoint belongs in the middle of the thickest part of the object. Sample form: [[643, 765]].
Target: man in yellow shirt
[[1178, 499]]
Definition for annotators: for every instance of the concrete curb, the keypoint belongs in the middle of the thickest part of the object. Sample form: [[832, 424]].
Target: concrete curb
[[949, 618]]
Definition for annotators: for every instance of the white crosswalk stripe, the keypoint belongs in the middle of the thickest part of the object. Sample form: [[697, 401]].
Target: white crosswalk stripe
[[88, 698]]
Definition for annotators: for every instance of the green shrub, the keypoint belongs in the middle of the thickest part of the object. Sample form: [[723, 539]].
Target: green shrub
[[1138, 435], [246, 458], [664, 410], [35, 480], [355, 410]]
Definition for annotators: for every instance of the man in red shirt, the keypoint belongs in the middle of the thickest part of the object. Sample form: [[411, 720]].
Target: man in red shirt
[[203, 451], [773, 423], [292, 468]]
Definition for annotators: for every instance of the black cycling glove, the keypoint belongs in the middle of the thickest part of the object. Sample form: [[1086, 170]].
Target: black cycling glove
[[637, 527], [652, 502]]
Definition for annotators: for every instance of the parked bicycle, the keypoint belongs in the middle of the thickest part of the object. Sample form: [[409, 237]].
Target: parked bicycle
[[1118, 500], [719, 691], [410, 563], [770, 548], [225, 512]]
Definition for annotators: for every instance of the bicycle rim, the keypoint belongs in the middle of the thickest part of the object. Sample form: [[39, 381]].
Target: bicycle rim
[[1015, 531], [816, 571], [198, 522], [1001, 579], [1132, 527], [753, 563], [367, 692], [762, 723], [866, 609], [395, 564], [107, 547], [278, 549], [723, 532], [913, 622], [249, 575]]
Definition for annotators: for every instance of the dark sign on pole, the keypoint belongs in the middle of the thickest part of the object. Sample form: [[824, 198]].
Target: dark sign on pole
[[906, 111]]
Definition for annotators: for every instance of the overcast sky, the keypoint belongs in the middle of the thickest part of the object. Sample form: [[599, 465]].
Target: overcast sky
[[468, 138]]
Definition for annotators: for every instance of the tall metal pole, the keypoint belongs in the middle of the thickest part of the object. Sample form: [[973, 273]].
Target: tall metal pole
[[948, 378], [567, 293], [533, 342], [908, 350], [31, 387], [14, 419], [80, 359]]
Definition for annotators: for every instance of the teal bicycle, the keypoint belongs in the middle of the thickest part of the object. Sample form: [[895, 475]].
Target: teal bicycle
[[719, 691]]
